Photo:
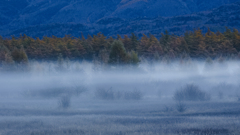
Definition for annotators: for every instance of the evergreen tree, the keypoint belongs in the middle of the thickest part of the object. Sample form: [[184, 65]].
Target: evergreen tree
[[165, 38], [87, 44], [118, 53], [134, 42], [236, 39], [134, 59]]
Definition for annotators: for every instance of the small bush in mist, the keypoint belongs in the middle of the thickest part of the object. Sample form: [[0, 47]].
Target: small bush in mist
[[57, 92], [191, 92], [223, 90], [110, 94], [133, 95], [238, 97], [181, 107], [220, 95], [64, 101], [105, 94], [63, 94], [167, 109]]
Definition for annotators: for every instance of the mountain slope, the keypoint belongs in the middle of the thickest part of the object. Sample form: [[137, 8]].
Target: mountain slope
[[217, 19], [110, 16]]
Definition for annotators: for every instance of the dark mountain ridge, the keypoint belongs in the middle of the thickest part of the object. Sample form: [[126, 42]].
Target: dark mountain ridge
[[60, 17]]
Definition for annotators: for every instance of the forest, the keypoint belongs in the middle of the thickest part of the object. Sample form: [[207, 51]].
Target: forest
[[122, 50]]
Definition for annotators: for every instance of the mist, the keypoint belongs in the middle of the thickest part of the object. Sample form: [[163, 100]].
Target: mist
[[92, 98]]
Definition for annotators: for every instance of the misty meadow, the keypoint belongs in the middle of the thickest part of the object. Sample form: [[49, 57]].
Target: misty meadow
[[186, 84]]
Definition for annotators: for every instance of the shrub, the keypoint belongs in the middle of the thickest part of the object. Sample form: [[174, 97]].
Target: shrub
[[109, 94], [105, 94], [220, 95], [133, 95], [224, 90], [181, 107], [238, 97], [57, 92], [65, 101], [191, 92], [167, 109]]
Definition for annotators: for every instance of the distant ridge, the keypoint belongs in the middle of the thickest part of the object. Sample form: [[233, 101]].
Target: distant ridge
[[111, 17]]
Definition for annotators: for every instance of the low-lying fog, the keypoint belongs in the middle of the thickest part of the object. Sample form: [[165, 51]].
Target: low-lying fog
[[151, 81], [89, 98]]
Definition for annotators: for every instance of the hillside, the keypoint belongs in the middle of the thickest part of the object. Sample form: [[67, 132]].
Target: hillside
[[60, 17]]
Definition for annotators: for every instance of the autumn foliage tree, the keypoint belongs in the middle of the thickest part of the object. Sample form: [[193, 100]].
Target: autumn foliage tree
[[19, 56]]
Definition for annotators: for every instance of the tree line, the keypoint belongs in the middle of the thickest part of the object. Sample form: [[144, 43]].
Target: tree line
[[123, 49]]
